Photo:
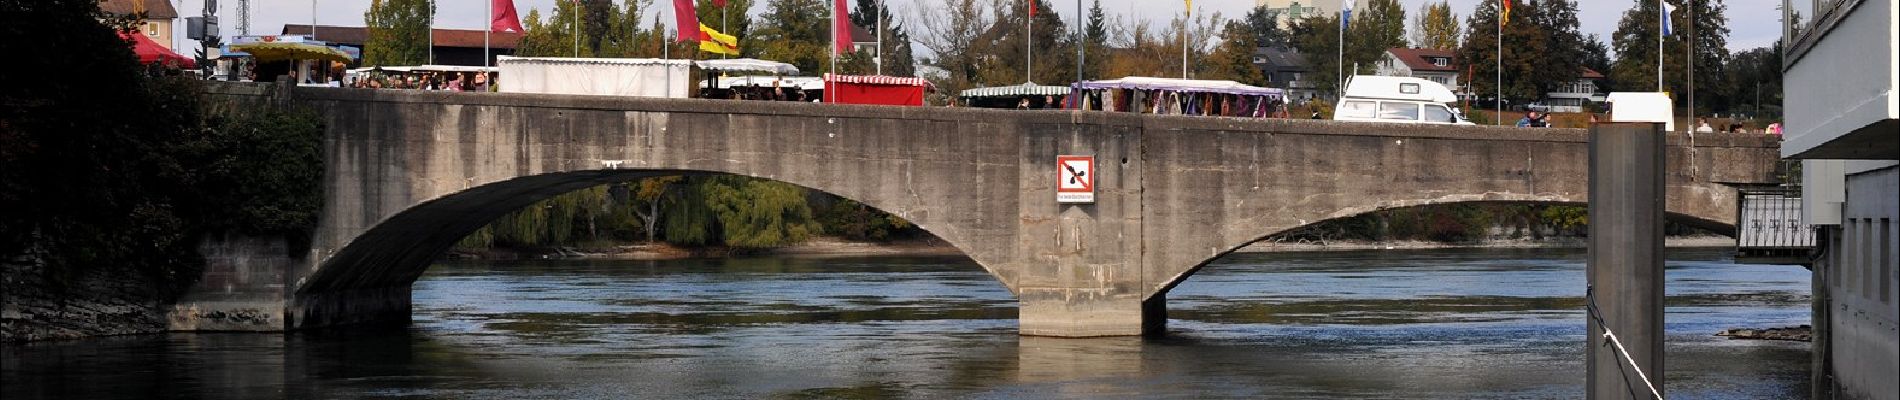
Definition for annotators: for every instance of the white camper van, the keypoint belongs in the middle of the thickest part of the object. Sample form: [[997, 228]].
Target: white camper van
[[1398, 99]]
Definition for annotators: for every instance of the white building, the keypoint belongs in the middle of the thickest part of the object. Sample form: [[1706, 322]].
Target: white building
[[1574, 95], [1294, 10], [1842, 110], [1432, 64]]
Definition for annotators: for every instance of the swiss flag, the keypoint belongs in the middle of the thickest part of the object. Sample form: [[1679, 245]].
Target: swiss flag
[[505, 20]]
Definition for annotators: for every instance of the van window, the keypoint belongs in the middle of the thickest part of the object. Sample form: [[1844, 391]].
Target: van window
[[1355, 109], [1438, 113], [1408, 88], [1398, 111]]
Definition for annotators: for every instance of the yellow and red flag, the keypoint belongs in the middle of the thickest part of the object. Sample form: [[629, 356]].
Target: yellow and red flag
[[712, 41], [1505, 19]]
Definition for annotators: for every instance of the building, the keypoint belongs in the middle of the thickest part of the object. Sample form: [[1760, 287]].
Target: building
[[1285, 68], [1432, 64], [452, 46], [1573, 96], [1842, 112], [159, 15], [863, 39], [1294, 10]]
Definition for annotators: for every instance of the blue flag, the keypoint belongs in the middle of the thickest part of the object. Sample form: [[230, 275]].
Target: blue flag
[[1345, 13], [1666, 10]]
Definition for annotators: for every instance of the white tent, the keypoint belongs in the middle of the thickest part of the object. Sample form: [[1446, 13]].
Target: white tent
[[747, 65], [647, 77]]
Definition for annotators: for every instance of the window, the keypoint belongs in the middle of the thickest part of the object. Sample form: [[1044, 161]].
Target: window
[[1438, 113], [1408, 88], [1398, 111], [1355, 109], [151, 29], [1438, 61]]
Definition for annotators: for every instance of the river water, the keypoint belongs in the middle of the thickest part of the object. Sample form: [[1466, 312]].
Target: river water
[[1369, 324]]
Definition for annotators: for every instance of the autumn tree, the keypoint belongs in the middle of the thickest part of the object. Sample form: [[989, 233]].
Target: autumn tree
[[1436, 26], [398, 32], [1542, 49]]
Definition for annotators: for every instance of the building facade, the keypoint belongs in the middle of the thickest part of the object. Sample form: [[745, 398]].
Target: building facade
[[159, 15], [1294, 10], [1843, 123], [1285, 68], [1432, 64], [1575, 96]]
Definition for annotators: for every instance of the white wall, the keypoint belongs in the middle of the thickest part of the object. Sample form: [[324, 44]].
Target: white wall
[[1863, 286], [1846, 81]]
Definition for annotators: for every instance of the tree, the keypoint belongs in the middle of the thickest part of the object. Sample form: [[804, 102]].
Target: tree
[[950, 32], [1317, 38], [1094, 42], [1755, 76], [398, 32], [896, 46], [1542, 49], [793, 31], [1596, 57], [1232, 59], [1635, 43], [1265, 24], [1436, 26], [1380, 26], [1005, 46]]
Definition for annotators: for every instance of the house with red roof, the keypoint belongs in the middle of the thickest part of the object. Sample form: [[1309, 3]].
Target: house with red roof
[[1437, 65]]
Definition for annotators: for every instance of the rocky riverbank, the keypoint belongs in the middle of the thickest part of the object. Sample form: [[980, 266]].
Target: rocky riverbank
[[36, 305], [1801, 333]]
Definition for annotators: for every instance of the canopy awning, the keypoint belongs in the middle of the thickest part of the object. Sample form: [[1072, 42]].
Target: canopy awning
[[150, 52], [1027, 89], [748, 64], [275, 51], [797, 82], [1181, 85], [879, 80], [427, 68]]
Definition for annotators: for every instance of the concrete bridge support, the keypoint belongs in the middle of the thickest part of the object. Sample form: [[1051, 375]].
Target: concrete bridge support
[[1626, 261]]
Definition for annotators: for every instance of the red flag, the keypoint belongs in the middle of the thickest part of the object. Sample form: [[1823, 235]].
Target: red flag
[[687, 20], [719, 3], [842, 23], [1032, 8], [505, 20]]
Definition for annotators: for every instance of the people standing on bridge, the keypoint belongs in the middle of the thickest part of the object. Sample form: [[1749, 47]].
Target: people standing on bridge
[[1534, 119], [1702, 126]]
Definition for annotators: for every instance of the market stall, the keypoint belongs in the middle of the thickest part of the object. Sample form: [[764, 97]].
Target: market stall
[[875, 89], [1027, 95], [150, 52], [1181, 97], [313, 62], [755, 79], [646, 77]]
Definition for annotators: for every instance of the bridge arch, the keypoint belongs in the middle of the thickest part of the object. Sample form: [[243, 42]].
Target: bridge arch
[[1700, 216]]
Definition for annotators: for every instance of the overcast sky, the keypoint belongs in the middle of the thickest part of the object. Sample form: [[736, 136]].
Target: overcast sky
[[1752, 23]]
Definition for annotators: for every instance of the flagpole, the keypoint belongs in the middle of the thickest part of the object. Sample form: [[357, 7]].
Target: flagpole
[[431, 31], [1029, 35], [1662, 20], [1338, 81], [724, 28], [486, 31], [576, 23], [1689, 63], [1185, 15], [1500, 70], [880, 37]]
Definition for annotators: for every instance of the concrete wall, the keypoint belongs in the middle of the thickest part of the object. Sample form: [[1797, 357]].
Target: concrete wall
[[410, 173], [1862, 349]]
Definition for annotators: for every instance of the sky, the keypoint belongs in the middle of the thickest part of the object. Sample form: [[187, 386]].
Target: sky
[[1752, 23]]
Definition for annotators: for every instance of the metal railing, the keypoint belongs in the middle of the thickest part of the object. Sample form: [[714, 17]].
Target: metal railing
[[1769, 228]]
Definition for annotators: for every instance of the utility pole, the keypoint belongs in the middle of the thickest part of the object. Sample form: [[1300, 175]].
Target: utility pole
[[244, 17], [1690, 62]]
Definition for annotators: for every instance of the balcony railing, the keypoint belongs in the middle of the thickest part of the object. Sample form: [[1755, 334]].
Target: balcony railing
[[1768, 227]]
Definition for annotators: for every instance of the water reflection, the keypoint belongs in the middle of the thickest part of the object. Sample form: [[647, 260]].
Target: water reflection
[[1419, 324]]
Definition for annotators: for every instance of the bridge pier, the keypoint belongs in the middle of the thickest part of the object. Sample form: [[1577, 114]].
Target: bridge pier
[[1079, 313]]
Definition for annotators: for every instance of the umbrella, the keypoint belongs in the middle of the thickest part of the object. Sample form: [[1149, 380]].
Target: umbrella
[[151, 52], [274, 51]]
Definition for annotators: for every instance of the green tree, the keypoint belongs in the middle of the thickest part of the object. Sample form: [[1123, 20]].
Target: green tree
[[757, 213], [1232, 59], [898, 58], [1596, 57], [398, 32], [1436, 26], [1317, 38], [1755, 76], [795, 32], [1380, 26], [1265, 24], [1542, 49], [1635, 43], [1094, 41]]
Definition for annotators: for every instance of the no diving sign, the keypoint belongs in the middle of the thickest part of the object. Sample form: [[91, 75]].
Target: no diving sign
[[1077, 179]]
